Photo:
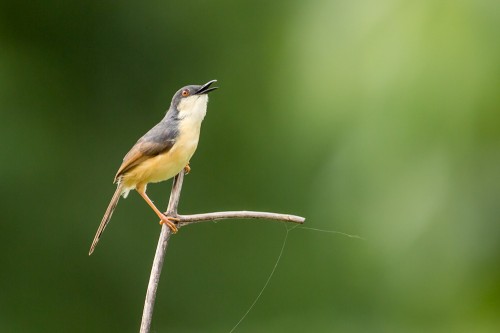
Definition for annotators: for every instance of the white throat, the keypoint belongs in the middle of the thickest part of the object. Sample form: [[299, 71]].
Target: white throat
[[193, 109]]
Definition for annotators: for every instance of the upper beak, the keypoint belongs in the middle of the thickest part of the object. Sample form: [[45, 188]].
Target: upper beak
[[205, 89]]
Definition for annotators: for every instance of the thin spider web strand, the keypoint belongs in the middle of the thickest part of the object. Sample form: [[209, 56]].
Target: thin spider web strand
[[332, 232], [288, 229], [267, 282]]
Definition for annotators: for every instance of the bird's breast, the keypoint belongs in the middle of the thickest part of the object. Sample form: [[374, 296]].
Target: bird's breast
[[166, 165]]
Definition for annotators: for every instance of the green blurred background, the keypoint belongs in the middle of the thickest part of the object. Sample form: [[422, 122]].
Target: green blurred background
[[375, 118]]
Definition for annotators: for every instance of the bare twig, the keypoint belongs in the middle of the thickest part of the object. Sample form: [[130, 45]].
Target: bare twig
[[161, 249], [184, 220], [194, 218]]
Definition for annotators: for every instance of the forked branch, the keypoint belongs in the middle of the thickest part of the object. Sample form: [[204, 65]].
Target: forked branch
[[161, 249]]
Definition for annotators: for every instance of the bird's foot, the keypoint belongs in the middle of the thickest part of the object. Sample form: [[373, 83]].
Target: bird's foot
[[170, 222], [187, 169]]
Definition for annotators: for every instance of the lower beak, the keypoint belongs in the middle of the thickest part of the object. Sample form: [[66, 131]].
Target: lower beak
[[205, 89]]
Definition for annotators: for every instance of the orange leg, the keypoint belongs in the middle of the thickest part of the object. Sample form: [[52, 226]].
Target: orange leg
[[187, 169], [164, 219]]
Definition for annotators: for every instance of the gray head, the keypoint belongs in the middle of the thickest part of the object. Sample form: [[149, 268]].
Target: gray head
[[192, 97]]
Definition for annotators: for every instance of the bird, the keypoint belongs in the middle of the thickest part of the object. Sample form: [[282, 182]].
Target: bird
[[161, 153]]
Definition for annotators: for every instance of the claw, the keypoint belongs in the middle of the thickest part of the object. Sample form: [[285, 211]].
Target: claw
[[187, 169], [168, 221]]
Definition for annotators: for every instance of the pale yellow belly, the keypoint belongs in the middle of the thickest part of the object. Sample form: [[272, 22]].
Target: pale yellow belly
[[161, 167]]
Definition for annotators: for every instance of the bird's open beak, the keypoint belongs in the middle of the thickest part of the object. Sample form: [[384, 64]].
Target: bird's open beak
[[205, 89]]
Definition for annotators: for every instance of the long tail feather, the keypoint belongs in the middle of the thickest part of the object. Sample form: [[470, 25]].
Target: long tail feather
[[106, 218]]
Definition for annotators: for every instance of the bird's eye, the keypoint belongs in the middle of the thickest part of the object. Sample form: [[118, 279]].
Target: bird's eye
[[185, 93]]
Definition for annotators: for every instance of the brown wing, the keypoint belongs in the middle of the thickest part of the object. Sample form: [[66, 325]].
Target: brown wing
[[158, 140]]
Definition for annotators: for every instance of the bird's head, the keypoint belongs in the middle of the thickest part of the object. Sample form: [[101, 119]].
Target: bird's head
[[192, 100]]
